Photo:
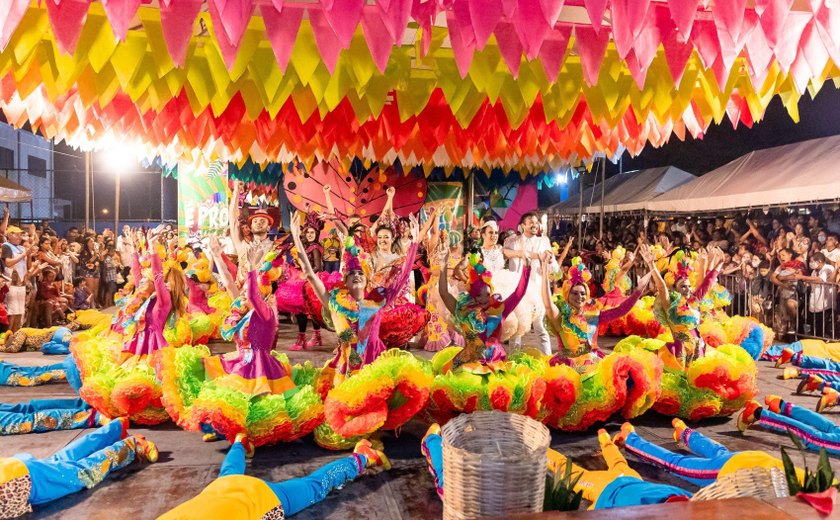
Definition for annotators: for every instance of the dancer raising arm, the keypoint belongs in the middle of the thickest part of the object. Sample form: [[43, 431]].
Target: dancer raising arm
[[354, 310]]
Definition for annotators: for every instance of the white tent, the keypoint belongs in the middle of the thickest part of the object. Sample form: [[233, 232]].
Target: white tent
[[11, 191], [629, 191], [795, 173]]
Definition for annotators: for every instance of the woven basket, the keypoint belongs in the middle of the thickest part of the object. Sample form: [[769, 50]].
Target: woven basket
[[749, 482], [493, 465]]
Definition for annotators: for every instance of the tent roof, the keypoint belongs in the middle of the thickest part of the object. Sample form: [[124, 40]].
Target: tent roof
[[794, 173], [11, 191], [629, 191]]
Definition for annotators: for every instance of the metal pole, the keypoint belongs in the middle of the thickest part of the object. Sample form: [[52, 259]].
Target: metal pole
[[470, 199], [87, 190], [580, 211], [117, 205], [603, 178]]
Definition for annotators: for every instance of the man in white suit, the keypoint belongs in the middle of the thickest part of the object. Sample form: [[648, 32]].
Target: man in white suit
[[521, 249]]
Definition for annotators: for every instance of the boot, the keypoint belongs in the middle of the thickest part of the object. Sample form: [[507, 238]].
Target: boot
[[829, 399], [315, 341], [300, 343]]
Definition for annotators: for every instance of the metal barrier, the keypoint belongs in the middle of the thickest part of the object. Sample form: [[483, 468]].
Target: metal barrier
[[804, 310]]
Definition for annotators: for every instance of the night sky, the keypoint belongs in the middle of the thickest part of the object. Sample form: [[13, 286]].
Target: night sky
[[819, 117]]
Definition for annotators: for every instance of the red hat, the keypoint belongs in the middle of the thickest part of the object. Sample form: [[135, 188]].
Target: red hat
[[261, 213]]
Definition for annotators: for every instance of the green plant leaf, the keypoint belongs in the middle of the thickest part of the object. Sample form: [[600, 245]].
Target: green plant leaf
[[790, 474]]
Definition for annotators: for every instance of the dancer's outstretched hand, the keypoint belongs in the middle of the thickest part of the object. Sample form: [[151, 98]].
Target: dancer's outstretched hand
[[414, 226]]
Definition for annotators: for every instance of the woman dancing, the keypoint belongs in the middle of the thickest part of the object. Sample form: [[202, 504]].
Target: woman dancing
[[355, 311], [120, 381], [480, 312], [574, 317], [243, 392], [678, 304]]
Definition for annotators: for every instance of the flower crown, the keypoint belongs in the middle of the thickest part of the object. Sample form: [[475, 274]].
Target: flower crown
[[679, 267], [578, 275], [355, 258]]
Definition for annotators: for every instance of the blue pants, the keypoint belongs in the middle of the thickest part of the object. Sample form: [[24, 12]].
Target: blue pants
[[55, 348], [82, 464], [826, 369], [16, 375], [432, 448], [702, 470], [299, 493], [773, 352], [813, 429], [45, 415], [74, 377]]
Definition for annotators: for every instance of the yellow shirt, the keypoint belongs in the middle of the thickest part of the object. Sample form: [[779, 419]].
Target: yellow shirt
[[232, 497], [754, 459]]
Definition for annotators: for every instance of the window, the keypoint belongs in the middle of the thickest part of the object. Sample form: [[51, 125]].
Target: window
[[7, 158], [37, 166]]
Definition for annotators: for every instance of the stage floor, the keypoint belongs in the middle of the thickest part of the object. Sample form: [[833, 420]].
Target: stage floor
[[186, 464]]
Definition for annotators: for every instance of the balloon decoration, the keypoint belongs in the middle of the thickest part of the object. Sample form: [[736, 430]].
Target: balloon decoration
[[516, 84]]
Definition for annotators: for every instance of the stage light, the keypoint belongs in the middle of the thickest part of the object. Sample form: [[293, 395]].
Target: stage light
[[119, 158]]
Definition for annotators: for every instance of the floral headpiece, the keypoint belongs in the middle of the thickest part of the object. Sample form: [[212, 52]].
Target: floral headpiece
[[270, 270], [313, 220], [578, 275], [479, 276], [355, 259], [679, 267]]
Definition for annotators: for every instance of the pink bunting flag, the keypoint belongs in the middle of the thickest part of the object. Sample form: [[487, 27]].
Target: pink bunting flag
[[177, 20], [828, 27], [812, 50], [551, 10], [344, 16], [67, 19], [705, 40], [424, 14], [484, 14], [683, 13], [222, 29], [591, 46], [120, 13], [595, 9], [628, 17], [509, 46], [729, 14], [677, 51], [760, 56], [395, 15], [531, 26], [772, 14], [553, 50], [378, 40], [9, 20], [648, 40], [788, 45], [231, 16], [281, 27], [463, 46], [325, 38]]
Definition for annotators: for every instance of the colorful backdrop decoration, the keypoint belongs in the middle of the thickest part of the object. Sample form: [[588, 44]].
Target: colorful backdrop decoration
[[448, 198], [354, 191], [523, 85], [202, 203]]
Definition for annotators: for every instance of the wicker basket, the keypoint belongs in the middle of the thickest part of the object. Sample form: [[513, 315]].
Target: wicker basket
[[749, 482], [493, 465]]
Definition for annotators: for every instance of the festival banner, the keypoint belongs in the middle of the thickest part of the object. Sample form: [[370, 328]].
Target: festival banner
[[449, 198], [202, 202]]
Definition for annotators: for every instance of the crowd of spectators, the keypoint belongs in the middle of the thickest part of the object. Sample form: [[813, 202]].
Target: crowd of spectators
[[782, 265], [45, 277]]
